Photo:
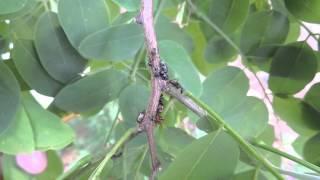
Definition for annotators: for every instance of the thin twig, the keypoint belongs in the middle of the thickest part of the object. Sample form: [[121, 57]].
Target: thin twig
[[288, 156], [131, 133], [114, 123]]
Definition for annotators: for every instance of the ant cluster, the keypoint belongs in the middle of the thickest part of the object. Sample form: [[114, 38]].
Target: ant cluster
[[162, 73], [158, 118]]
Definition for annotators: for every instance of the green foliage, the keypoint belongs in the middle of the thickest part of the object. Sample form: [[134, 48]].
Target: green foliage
[[85, 18], [313, 96], [227, 14], [60, 59], [247, 115], [27, 62], [34, 129], [304, 10], [110, 43], [9, 97], [202, 153], [133, 100], [180, 65], [85, 54], [95, 91], [11, 171], [11, 6], [263, 28], [292, 68]]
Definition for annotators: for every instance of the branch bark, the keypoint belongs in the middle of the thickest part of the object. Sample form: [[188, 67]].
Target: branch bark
[[145, 18], [173, 91]]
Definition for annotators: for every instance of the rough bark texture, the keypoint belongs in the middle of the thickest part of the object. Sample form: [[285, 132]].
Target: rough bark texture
[[145, 18]]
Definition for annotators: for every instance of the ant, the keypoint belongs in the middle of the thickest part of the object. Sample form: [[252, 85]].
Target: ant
[[158, 119], [177, 85]]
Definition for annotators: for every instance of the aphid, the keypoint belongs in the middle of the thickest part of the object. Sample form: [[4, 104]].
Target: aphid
[[138, 19], [158, 119], [153, 52], [163, 71], [177, 85], [140, 117], [163, 67]]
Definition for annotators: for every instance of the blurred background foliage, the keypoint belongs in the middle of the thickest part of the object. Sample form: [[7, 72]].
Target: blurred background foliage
[[74, 77]]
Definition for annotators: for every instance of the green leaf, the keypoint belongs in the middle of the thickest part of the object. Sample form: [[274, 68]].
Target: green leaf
[[23, 85], [227, 14], [92, 91], [167, 30], [23, 27], [299, 116], [129, 5], [293, 67], [218, 50], [26, 9], [174, 140], [133, 100], [251, 174], [181, 65], [116, 43], [225, 87], [59, 58], [11, 6], [311, 150], [267, 136], [199, 46], [263, 28], [34, 129], [306, 10], [86, 17], [28, 65], [194, 160], [9, 97], [294, 32], [225, 91], [313, 97], [52, 171]]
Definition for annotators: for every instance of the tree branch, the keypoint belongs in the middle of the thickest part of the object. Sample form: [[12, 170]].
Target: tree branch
[[147, 124]]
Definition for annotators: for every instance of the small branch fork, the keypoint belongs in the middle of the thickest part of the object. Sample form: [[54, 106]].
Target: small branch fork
[[159, 84], [145, 18]]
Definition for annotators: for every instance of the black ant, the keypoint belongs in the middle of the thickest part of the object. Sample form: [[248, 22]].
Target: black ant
[[177, 85], [158, 119]]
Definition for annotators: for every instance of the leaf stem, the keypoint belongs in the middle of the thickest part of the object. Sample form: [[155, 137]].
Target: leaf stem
[[141, 161], [112, 127], [136, 63], [214, 26], [244, 144], [95, 175], [288, 156]]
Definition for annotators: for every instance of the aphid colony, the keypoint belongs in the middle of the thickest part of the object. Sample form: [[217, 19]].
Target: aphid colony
[[162, 72], [158, 118]]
